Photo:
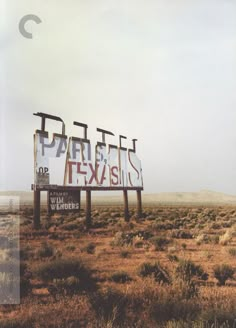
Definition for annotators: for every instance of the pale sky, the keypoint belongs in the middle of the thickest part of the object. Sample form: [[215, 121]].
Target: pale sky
[[161, 71]]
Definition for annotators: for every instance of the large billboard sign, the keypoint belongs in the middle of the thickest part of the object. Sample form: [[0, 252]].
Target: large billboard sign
[[102, 165]]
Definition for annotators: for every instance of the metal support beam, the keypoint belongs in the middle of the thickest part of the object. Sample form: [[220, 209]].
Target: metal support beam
[[104, 133], [43, 121], [84, 126], [126, 205], [120, 142], [88, 209], [134, 144], [36, 209], [45, 116], [139, 204], [92, 188]]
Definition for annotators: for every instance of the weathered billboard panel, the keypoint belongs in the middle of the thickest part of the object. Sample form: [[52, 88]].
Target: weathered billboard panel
[[63, 201], [79, 170], [44, 150], [112, 166], [134, 169], [113, 157], [102, 165], [123, 167]]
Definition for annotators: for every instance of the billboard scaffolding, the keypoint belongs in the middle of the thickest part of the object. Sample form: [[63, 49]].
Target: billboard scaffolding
[[113, 168]]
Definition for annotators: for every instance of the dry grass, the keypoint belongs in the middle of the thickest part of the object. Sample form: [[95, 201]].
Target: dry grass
[[114, 250]]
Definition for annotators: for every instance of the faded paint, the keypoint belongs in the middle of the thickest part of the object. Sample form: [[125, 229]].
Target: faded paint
[[112, 166], [102, 165], [44, 150]]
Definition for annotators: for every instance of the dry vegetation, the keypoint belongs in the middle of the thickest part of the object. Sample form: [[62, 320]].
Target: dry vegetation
[[173, 268]]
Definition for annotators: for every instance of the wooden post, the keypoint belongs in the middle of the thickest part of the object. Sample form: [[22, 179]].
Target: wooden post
[[36, 209], [139, 204], [126, 205], [48, 203], [88, 209]]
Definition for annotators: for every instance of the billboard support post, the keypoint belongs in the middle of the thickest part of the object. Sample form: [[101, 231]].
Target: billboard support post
[[36, 209], [88, 209], [139, 204], [126, 205]]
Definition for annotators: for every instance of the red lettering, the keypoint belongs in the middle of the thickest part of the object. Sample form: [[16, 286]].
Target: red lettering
[[103, 175], [133, 165], [114, 174], [79, 171], [93, 171], [70, 170], [79, 168], [130, 180]]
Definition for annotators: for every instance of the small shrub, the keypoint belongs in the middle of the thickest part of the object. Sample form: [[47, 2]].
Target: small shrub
[[185, 289], [232, 251], [184, 246], [227, 224], [218, 318], [16, 322], [181, 234], [125, 253], [138, 242], [143, 235], [109, 305], [70, 226], [184, 274], [46, 250], [172, 249], [122, 239], [64, 268], [156, 270], [173, 258], [173, 306], [90, 248], [150, 217], [215, 239], [226, 238], [160, 243], [222, 273], [203, 238], [186, 270], [115, 215], [162, 226], [70, 248], [69, 285], [215, 226], [208, 255], [102, 223], [120, 277]]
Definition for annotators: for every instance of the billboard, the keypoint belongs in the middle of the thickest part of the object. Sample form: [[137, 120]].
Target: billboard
[[103, 165]]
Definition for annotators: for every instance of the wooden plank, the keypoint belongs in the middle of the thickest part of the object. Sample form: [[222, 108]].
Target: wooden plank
[[88, 209], [92, 188], [126, 205], [36, 209], [139, 204]]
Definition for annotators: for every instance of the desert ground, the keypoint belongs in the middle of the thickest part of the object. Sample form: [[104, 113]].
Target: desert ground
[[172, 268]]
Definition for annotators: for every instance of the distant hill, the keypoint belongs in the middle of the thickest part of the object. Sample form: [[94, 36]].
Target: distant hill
[[201, 197]]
